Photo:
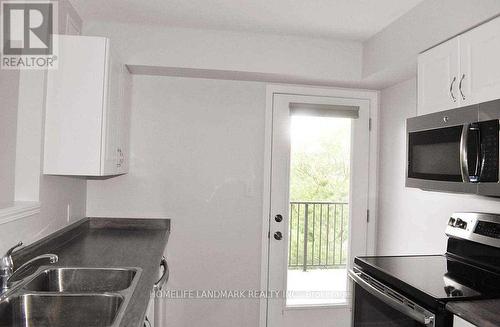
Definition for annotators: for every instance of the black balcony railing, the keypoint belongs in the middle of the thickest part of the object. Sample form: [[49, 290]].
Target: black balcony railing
[[318, 235]]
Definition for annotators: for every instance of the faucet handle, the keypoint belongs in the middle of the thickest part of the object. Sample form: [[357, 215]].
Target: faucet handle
[[6, 261]]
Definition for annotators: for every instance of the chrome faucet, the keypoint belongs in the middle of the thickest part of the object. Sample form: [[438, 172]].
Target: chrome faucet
[[7, 272]]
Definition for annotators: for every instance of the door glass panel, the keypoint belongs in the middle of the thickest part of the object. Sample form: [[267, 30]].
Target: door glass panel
[[319, 210]]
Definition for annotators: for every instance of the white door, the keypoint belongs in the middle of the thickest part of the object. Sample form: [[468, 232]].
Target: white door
[[310, 249], [438, 78], [480, 64]]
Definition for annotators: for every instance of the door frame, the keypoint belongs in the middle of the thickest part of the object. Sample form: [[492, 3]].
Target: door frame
[[361, 94]]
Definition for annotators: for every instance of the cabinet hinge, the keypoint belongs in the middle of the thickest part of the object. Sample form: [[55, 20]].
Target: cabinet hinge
[[367, 216], [369, 124]]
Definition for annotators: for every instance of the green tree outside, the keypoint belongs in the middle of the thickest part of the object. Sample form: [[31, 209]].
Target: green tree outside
[[319, 172]]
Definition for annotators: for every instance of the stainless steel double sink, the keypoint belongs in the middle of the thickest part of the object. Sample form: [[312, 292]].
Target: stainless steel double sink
[[63, 296]]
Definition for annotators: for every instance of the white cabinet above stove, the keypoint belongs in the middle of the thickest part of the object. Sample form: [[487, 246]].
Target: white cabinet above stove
[[462, 71]]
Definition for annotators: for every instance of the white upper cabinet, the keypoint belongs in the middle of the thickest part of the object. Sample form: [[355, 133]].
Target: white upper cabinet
[[462, 71], [438, 71], [480, 63], [87, 110]]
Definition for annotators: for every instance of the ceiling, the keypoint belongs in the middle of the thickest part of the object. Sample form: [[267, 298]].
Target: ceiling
[[342, 19]]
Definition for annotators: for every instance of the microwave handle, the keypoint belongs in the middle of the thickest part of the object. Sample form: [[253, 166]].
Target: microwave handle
[[479, 159], [464, 164]]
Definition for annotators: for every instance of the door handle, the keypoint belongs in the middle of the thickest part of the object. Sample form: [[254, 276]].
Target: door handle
[[460, 86], [451, 89], [464, 164], [479, 164], [464, 153]]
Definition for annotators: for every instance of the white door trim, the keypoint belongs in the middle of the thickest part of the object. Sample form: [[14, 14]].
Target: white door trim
[[271, 90]]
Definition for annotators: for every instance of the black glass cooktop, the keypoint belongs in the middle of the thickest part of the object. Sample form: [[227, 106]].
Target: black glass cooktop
[[440, 277]]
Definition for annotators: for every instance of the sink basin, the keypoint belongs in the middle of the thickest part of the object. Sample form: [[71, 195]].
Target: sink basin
[[58, 310], [81, 280]]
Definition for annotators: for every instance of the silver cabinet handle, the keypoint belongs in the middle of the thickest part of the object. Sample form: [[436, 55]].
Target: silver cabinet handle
[[393, 298], [164, 277], [460, 86], [451, 89]]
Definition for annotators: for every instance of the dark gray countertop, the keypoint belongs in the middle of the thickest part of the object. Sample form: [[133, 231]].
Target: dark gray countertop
[[110, 242], [483, 313]]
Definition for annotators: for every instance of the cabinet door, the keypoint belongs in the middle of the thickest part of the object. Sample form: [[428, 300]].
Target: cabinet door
[[459, 322], [124, 120], [111, 142], [480, 63], [74, 104], [438, 72]]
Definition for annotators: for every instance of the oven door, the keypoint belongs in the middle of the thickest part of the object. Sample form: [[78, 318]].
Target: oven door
[[376, 305], [443, 151]]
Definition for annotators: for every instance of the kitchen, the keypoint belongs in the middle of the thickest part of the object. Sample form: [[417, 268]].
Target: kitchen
[[201, 106]]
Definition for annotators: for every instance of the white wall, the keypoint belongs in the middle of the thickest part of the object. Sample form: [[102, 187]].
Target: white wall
[[410, 220], [197, 148], [25, 99], [390, 56], [55, 194], [68, 15], [386, 58], [292, 57], [9, 88]]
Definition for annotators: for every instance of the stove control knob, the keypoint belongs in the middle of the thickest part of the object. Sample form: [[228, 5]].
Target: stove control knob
[[460, 224], [451, 222]]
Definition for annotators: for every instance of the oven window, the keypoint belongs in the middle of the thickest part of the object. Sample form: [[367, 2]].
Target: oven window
[[435, 154], [369, 311]]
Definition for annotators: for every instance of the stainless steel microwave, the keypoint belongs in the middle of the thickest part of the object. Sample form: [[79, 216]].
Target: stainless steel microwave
[[455, 150]]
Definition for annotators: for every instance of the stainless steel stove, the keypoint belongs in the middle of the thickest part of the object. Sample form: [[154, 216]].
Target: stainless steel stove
[[393, 291]]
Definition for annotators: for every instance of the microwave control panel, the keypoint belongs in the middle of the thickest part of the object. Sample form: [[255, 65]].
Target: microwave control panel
[[489, 150]]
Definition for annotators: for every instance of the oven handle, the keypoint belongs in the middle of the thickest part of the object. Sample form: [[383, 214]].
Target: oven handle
[[393, 298], [164, 277], [464, 164]]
